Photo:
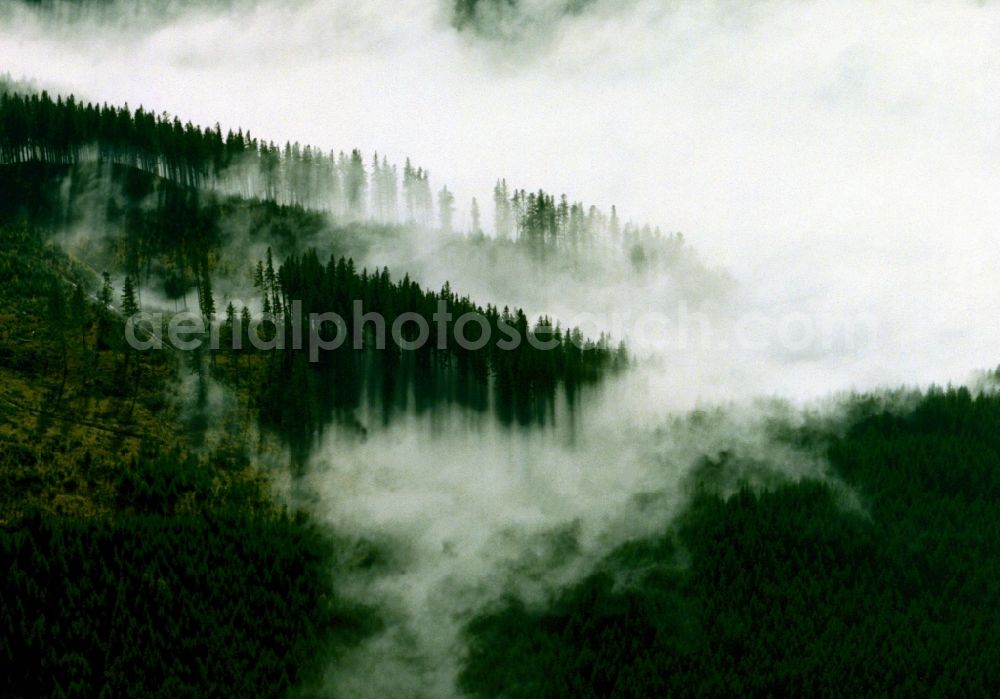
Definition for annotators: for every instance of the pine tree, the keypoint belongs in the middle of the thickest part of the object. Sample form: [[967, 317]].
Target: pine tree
[[389, 190], [245, 321], [206, 300], [129, 305], [106, 295], [446, 209], [409, 192], [258, 279], [272, 288], [357, 183], [477, 228], [230, 325], [130, 308], [501, 210]]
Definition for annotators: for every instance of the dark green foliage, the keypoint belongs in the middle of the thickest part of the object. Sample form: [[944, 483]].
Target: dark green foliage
[[788, 592], [143, 224], [153, 485], [129, 305], [38, 133], [158, 232], [166, 234], [34, 128], [106, 295], [29, 270], [177, 576], [299, 395], [227, 603]]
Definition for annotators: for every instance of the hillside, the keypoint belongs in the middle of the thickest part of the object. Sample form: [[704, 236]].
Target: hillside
[[282, 415]]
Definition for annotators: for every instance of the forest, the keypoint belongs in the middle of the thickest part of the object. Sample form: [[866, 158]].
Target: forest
[[224, 603], [315, 499], [169, 227], [137, 560], [155, 562], [502, 359], [34, 128], [789, 590]]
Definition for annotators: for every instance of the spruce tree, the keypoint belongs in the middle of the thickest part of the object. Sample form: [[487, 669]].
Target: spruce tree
[[130, 306], [446, 209], [106, 295], [477, 228]]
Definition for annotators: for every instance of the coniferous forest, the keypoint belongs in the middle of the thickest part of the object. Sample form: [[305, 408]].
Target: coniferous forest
[[282, 414]]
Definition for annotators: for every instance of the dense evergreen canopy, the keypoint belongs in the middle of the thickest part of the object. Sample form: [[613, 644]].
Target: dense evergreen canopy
[[36, 128], [495, 359], [791, 591], [229, 603]]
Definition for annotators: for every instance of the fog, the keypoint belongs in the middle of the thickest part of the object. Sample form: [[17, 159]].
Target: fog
[[472, 514], [835, 156], [832, 166]]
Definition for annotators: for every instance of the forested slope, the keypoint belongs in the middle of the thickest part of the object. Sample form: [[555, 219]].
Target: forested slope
[[229, 603], [35, 128], [142, 196], [790, 590], [141, 553]]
